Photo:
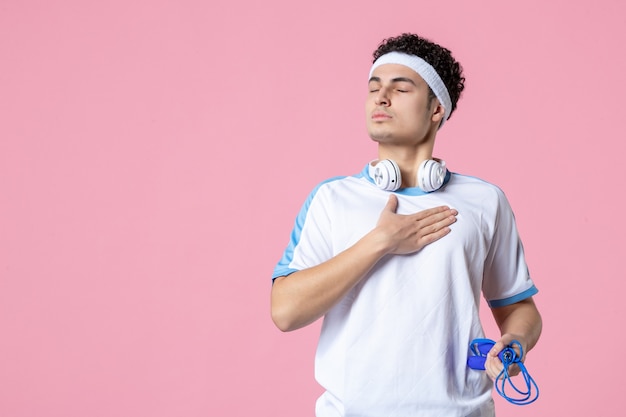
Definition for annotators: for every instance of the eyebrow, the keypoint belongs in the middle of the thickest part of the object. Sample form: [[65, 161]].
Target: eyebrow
[[395, 80]]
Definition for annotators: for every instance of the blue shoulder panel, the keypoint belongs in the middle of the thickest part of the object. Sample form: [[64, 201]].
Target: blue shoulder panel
[[282, 268]]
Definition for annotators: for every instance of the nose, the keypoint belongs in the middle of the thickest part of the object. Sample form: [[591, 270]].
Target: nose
[[381, 98]]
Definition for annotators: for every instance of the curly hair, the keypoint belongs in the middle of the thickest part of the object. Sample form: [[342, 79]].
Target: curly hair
[[450, 71]]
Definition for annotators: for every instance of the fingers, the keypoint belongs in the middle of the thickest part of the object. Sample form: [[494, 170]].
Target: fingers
[[494, 367], [435, 213], [512, 341], [436, 220], [433, 224], [493, 364]]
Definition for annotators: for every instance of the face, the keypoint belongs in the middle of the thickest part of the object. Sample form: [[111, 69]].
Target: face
[[398, 107]]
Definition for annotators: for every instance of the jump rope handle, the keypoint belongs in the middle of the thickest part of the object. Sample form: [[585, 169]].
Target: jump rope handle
[[481, 347]]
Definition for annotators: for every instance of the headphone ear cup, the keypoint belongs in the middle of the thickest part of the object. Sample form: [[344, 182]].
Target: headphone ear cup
[[431, 175], [386, 175]]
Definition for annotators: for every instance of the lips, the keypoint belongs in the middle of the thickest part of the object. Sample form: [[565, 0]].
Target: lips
[[379, 115]]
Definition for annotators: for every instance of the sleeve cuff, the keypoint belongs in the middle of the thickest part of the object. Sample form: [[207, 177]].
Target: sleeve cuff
[[514, 299]]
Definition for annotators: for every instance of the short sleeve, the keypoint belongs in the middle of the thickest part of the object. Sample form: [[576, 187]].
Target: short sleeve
[[309, 243], [506, 277]]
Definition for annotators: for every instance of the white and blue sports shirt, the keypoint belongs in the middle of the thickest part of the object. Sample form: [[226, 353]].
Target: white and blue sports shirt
[[397, 344]]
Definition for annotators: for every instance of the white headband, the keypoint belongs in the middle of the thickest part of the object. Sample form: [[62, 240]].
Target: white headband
[[425, 70]]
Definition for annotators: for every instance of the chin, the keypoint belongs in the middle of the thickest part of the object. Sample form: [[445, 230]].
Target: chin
[[381, 137], [377, 135]]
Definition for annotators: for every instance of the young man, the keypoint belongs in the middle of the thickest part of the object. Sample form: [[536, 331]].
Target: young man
[[395, 259]]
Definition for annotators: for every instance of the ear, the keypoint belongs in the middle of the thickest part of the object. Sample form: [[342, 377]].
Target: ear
[[438, 112]]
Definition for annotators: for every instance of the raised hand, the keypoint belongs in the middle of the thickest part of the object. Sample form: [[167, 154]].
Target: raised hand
[[406, 234]]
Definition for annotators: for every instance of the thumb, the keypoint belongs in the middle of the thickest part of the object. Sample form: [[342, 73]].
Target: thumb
[[392, 204]]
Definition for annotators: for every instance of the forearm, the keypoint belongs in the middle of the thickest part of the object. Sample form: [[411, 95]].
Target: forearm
[[520, 321], [304, 296]]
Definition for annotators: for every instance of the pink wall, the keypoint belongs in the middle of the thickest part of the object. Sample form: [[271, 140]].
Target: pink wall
[[153, 155]]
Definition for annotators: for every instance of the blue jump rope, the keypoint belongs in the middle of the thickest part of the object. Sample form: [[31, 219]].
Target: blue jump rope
[[481, 347]]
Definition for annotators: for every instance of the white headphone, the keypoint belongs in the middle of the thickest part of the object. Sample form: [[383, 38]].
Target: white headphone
[[431, 174]]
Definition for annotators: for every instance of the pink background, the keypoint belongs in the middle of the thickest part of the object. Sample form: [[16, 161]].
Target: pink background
[[154, 154]]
